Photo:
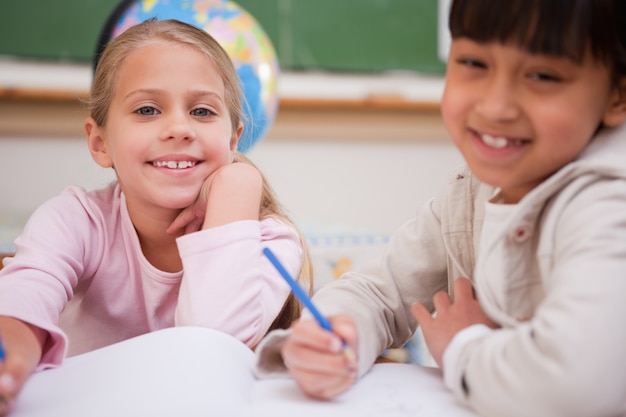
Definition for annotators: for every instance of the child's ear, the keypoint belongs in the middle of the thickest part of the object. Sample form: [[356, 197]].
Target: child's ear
[[234, 140], [97, 144], [616, 112]]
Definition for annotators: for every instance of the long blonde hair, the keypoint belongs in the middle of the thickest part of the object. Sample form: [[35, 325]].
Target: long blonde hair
[[270, 207], [175, 31]]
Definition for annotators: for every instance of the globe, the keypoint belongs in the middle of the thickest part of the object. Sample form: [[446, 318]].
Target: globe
[[241, 36]]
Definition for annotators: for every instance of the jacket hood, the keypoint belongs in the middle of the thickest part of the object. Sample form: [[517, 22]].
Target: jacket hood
[[604, 156]]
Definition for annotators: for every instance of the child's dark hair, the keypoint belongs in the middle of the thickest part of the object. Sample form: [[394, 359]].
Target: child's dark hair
[[553, 27]]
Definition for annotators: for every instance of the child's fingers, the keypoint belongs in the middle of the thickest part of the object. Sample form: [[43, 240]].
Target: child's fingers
[[323, 386], [183, 219], [305, 359], [8, 392], [320, 374], [186, 222], [309, 333], [316, 358], [421, 314], [194, 226], [22, 346], [463, 289], [441, 302], [14, 371], [345, 327]]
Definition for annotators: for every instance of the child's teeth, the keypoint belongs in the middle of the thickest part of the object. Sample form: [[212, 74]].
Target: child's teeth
[[174, 164], [495, 142]]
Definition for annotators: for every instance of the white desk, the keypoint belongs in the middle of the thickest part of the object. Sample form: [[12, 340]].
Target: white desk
[[199, 372]]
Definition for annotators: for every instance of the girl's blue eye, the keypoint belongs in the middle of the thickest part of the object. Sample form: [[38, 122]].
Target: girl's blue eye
[[147, 111], [201, 112]]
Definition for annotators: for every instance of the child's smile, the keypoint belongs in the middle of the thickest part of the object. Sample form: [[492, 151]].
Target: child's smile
[[500, 142], [518, 117], [498, 149], [168, 113], [174, 164]]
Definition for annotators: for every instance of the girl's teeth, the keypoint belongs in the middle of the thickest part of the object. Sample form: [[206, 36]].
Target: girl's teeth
[[174, 164], [495, 142]]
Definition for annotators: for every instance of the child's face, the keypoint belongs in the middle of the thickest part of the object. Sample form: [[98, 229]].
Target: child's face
[[517, 117], [168, 125]]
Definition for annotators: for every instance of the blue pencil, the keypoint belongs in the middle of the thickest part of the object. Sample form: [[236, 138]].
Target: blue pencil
[[1, 350], [308, 303], [298, 290], [4, 399]]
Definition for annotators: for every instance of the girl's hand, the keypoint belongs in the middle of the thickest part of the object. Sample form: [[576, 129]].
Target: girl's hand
[[23, 345], [233, 192], [451, 318], [317, 360]]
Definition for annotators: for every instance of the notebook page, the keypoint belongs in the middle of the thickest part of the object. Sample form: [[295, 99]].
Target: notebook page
[[390, 389], [183, 371]]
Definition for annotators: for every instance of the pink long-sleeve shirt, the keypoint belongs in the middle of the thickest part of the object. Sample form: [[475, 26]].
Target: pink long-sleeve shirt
[[80, 274]]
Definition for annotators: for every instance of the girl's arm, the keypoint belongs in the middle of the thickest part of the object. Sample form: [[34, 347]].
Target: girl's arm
[[228, 284], [417, 262], [412, 268], [23, 346], [61, 242]]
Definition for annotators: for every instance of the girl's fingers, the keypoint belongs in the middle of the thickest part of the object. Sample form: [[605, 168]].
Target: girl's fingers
[[441, 301], [309, 334], [319, 374], [194, 226], [463, 289], [345, 328], [421, 313], [323, 386], [322, 362], [317, 359], [186, 221], [179, 223], [8, 392]]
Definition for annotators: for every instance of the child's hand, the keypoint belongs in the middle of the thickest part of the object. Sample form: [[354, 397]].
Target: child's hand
[[451, 318], [22, 347], [233, 192], [316, 358]]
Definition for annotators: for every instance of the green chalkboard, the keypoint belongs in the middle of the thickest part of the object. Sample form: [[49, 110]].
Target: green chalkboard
[[332, 35]]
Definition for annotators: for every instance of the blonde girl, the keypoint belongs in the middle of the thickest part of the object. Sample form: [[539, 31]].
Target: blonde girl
[[176, 240]]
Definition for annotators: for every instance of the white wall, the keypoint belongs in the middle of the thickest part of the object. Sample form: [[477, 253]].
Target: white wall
[[353, 187], [328, 187]]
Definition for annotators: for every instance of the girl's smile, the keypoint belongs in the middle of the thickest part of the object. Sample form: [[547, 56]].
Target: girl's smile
[[518, 117], [168, 126], [175, 165], [498, 149], [500, 141]]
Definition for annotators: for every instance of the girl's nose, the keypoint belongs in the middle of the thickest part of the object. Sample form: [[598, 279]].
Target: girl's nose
[[498, 102], [178, 126]]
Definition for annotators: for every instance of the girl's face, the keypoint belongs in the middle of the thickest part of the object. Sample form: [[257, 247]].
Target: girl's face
[[518, 117], [168, 126]]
